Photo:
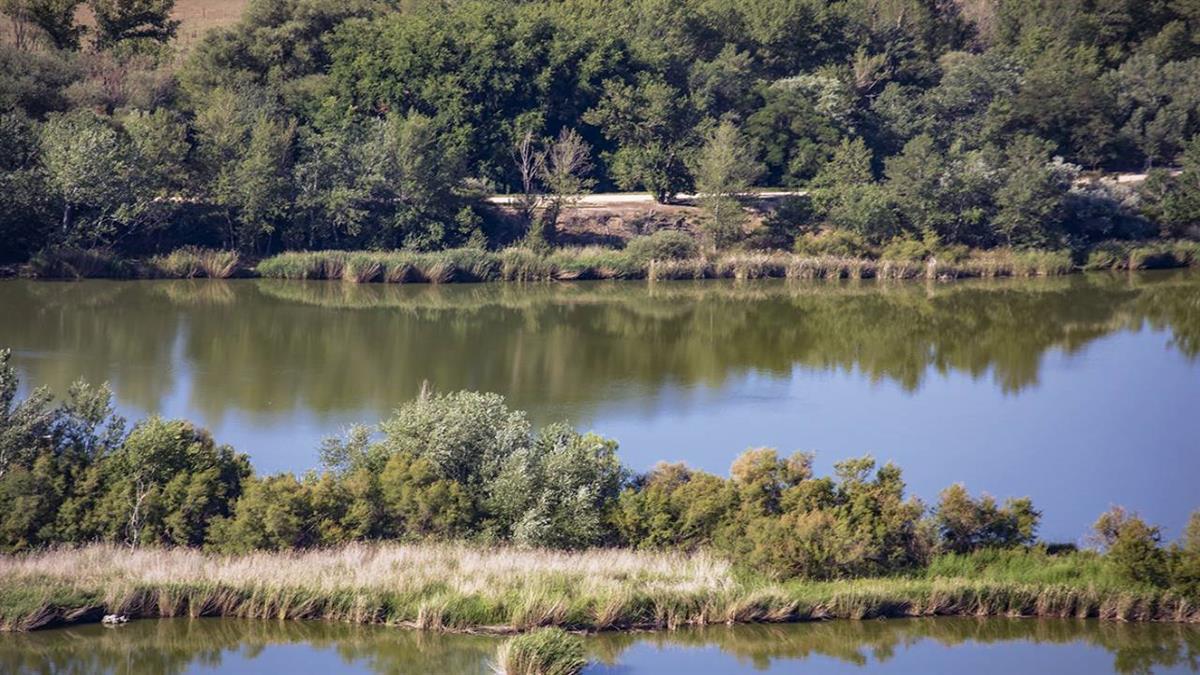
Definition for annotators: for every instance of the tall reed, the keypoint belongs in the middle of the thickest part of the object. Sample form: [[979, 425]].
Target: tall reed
[[548, 651], [191, 262]]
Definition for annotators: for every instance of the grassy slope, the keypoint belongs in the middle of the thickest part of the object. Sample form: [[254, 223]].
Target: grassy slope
[[457, 587]]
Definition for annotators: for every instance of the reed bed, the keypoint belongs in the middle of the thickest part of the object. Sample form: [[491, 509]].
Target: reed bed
[[594, 262], [466, 588]]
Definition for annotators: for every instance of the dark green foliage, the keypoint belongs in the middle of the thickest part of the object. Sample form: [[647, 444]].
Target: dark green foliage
[[793, 217], [133, 23], [662, 245], [1180, 196], [371, 125], [55, 19], [965, 524], [1132, 547]]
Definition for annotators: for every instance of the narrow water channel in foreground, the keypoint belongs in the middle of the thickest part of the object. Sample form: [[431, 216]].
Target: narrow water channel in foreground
[[1007, 646]]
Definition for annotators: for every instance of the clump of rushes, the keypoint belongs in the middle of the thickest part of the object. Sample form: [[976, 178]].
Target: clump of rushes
[[191, 262], [304, 265], [547, 651]]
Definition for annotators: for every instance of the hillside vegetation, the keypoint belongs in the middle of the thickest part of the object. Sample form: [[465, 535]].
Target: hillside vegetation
[[922, 128]]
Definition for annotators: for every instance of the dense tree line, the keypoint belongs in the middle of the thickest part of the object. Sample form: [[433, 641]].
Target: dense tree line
[[377, 123], [464, 466]]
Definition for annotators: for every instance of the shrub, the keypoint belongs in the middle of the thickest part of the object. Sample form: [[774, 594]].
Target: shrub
[[662, 245], [841, 243], [1132, 546], [798, 545], [548, 651], [965, 524], [793, 217], [906, 248]]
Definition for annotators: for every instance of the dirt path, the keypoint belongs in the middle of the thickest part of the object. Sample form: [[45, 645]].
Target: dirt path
[[610, 199]]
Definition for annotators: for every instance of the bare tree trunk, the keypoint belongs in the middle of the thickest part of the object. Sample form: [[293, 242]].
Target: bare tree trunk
[[135, 515]]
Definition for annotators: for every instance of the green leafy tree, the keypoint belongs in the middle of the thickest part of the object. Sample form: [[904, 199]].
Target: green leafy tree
[[1158, 102], [419, 502], [1031, 198], [674, 506], [133, 21], [558, 492], [465, 435], [724, 170], [798, 128], [949, 196], [261, 189], [1181, 202], [652, 125], [25, 208], [88, 163], [55, 19], [165, 483], [966, 524], [1132, 546], [273, 513], [848, 197]]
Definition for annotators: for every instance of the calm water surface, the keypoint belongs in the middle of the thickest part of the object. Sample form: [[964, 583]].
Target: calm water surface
[[1078, 392], [1002, 646]]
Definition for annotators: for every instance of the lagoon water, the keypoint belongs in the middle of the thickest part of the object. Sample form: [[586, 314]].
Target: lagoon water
[[1079, 392], [945, 645]]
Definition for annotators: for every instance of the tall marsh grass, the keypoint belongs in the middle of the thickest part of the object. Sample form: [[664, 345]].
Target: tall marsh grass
[[192, 262], [456, 587], [596, 262], [546, 651]]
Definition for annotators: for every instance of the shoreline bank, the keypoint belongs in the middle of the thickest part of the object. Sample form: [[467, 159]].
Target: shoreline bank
[[467, 265], [501, 591]]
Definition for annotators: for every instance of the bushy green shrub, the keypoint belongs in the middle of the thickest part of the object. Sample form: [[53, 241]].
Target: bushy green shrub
[[833, 242], [1132, 547], [662, 245], [906, 248], [965, 524]]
